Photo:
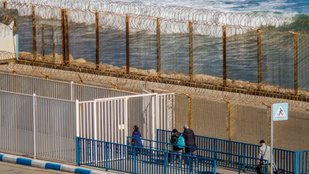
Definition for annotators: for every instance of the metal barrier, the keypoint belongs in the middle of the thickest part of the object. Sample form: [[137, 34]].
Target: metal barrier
[[37, 126], [302, 162], [242, 163], [110, 119], [55, 89], [284, 159], [133, 159]]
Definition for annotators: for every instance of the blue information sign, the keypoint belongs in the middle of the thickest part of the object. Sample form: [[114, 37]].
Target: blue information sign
[[280, 111]]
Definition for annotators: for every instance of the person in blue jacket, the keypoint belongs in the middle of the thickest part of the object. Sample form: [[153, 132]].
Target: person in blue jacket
[[136, 134]]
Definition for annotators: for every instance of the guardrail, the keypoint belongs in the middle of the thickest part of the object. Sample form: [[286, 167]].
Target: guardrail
[[289, 161], [133, 159], [241, 163]]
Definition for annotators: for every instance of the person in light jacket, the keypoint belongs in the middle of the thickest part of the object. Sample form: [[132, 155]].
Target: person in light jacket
[[264, 153]]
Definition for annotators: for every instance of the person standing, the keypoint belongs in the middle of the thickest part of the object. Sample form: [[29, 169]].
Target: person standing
[[177, 147], [136, 141], [264, 153], [189, 136]]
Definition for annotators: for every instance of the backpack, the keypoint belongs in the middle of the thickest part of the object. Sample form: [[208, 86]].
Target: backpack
[[181, 142]]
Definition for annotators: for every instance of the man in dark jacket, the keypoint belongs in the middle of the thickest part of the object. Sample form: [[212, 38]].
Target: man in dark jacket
[[174, 140], [189, 136]]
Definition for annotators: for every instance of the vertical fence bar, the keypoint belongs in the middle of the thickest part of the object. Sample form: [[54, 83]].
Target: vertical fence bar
[[127, 46], [77, 151], [4, 5], [43, 44], [296, 63], [34, 33], [53, 37], [63, 34], [158, 48], [191, 50], [259, 59], [296, 163], [97, 40], [224, 56], [66, 37], [77, 118], [34, 125]]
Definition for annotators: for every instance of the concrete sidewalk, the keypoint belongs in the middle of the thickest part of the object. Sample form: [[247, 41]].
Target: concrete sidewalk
[[48, 165]]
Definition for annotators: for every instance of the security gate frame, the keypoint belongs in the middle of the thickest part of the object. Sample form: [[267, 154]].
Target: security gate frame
[[110, 119]]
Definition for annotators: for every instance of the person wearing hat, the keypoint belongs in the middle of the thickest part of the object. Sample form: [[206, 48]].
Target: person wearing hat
[[189, 136], [264, 153]]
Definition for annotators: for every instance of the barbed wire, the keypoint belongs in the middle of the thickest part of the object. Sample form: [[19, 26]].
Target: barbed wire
[[144, 16]]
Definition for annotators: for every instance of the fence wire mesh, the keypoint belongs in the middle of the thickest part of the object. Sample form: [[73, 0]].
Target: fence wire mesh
[[149, 51]]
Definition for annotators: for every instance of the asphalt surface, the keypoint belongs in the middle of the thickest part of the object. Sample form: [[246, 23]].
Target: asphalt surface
[[12, 168]]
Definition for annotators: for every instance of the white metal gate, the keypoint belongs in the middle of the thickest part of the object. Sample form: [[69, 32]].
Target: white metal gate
[[111, 119]]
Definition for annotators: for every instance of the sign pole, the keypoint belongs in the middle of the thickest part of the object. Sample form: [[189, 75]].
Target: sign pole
[[279, 112]]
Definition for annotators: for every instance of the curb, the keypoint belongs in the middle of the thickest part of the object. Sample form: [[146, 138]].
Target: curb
[[47, 165]]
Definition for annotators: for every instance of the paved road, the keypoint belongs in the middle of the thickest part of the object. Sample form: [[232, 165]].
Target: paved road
[[12, 168]]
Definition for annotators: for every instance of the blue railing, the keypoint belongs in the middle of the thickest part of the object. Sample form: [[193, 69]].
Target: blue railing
[[226, 149], [241, 163], [132, 159], [302, 162]]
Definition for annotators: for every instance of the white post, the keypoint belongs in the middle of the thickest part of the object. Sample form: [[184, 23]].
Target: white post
[[77, 117], [34, 126], [95, 129], [126, 117], [95, 120], [72, 90]]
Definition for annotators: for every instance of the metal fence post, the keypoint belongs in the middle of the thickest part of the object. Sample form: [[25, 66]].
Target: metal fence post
[[106, 161], [4, 4], [259, 59], [34, 124], [224, 56], [296, 163], [97, 40], [77, 151], [43, 43], [63, 35], [191, 50], [158, 48], [296, 63], [66, 37], [134, 163], [127, 46], [34, 33], [77, 117], [165, 161]]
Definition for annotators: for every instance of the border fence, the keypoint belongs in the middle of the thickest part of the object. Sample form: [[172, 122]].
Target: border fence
[[206, 45]]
